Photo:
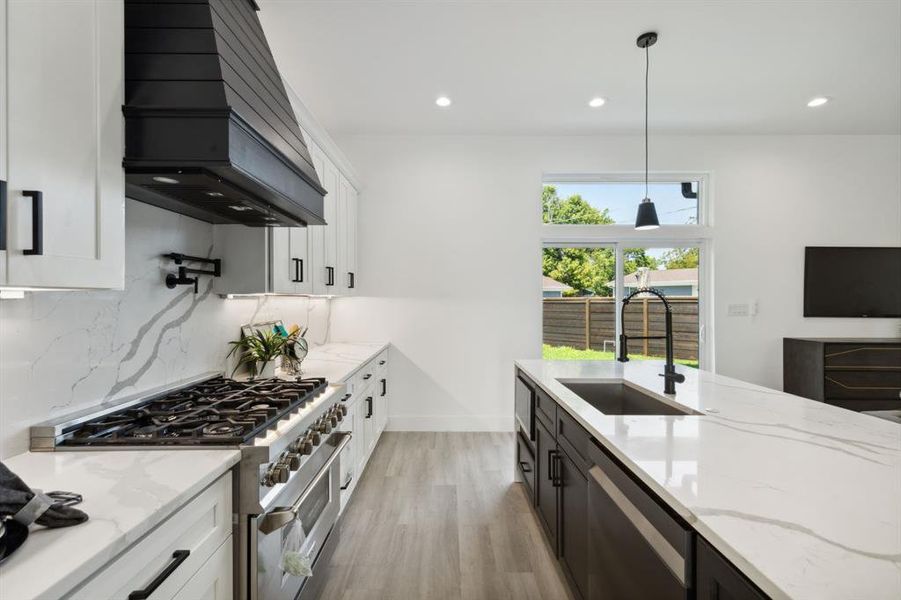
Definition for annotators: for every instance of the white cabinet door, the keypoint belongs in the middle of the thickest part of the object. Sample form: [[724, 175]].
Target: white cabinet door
[[342, 283], [351, 228], [330, 182], [65, 141], [214, 579], [289, 260], [382, 402]]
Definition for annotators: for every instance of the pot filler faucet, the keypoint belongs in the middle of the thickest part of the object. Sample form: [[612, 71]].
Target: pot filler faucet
[[670, 377]]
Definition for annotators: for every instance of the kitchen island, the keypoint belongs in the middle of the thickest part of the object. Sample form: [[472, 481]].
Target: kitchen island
[[802, 498]]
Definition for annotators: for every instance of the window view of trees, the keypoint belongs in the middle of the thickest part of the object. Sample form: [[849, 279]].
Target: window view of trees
[[591, 271], [578, 290]]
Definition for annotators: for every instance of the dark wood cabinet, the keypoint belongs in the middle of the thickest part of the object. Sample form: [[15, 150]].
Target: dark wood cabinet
[[717, 579], [573, 508], [546, 480], [854, 373]]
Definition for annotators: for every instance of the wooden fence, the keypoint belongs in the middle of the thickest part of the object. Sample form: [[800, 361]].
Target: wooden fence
[[586, 323]]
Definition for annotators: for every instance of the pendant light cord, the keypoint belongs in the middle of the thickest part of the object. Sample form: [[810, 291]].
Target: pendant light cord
[[647, 68]]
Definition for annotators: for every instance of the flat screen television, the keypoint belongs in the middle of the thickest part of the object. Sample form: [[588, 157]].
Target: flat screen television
[[852, 282]]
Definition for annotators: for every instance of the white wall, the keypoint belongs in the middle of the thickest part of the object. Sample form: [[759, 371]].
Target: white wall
[[450, 254], [60, 351]]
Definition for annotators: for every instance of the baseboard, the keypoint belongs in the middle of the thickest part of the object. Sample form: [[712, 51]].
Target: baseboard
[[450, 423]]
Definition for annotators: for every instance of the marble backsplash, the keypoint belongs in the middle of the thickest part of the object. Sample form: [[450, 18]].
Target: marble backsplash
[[60, 351]]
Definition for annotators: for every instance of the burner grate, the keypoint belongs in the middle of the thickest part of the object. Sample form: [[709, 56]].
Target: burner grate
[[218, 411]]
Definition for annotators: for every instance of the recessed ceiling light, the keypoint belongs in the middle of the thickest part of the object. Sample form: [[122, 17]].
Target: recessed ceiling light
[[215, 194], [597, 102], [239, 207], [443, 101], [165, 180], [818, 101]]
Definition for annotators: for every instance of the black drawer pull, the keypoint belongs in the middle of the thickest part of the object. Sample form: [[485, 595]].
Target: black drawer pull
[[381, 362], [37, 222], [346, 397], [351, 281], [526, 467], [298, 270], [369, 403], [384, 386], [2, 215], [367, 375], [330, 276], [178, 557]]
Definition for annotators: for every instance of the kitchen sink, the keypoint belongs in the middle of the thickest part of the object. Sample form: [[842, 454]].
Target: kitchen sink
[[620, 399]]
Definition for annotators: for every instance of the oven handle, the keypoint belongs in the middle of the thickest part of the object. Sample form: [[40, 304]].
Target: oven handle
[[277, 519]]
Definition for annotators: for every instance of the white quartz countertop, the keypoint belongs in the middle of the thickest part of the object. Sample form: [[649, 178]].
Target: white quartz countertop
[[803, 497], [336, 361], [126, 494]]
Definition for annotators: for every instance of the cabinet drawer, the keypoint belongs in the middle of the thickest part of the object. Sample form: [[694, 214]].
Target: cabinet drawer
[[545, 409], [869, 385], [525, 462], [856, 356], [213, 581], [200, 527], [573, 438]]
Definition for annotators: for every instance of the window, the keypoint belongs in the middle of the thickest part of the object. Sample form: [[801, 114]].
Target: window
[[615, 203], [587, 271]]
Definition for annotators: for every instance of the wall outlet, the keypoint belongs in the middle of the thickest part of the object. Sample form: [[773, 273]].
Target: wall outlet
[[738, 310]]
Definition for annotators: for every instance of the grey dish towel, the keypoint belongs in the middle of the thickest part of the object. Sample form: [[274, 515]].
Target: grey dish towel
[[15, 496]]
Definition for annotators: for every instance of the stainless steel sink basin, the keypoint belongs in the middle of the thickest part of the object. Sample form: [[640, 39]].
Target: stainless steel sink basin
[[620, 399]]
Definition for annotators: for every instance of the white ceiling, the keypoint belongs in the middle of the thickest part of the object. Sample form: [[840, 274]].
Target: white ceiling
[[530, 67]]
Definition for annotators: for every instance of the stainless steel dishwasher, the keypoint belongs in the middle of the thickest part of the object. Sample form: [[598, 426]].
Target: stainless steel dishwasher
[[637, 549]]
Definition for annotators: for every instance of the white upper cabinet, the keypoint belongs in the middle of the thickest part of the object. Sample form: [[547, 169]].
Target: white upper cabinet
[[64, 143]]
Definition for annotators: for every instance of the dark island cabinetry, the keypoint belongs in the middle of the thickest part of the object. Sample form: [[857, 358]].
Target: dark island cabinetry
[[717, 579]]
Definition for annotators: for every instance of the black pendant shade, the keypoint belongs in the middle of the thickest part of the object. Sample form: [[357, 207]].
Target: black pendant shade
[[647, 215]]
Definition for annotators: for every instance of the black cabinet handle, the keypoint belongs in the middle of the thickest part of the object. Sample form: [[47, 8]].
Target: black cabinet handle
[[526, 467], [37, 222], [384, 386], [558, 478], [330, 276], [2, 215], [369, 406], [351, 281], [178, 557], [367, 375], [551, 466], [381, 362], [346, 397], [298, 270]]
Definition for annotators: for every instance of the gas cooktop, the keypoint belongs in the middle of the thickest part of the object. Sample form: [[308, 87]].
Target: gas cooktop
[[218, 411]]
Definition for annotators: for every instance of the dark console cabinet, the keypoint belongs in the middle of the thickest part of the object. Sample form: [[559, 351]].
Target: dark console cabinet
[[854, 373]]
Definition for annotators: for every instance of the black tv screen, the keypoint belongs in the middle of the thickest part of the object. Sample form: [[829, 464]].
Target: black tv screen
[[852, 282]]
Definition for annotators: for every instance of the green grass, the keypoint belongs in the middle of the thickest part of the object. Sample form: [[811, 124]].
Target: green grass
[[567, 353]]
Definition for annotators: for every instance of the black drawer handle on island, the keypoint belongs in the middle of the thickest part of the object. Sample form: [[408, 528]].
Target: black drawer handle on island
[[351, 280], [367, 376], [330, 276], [37, 222], [369, 406], [178, 557], [384, 386]]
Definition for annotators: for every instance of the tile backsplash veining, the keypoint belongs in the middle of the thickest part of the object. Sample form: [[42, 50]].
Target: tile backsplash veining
[[60, 351]]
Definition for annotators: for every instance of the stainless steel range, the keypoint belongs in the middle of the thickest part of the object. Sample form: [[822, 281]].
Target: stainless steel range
[[287, 483]]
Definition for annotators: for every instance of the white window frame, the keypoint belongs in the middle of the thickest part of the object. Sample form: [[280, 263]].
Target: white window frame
[[666, 236]]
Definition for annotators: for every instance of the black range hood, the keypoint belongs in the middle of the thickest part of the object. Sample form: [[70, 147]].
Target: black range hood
[[209, 130]]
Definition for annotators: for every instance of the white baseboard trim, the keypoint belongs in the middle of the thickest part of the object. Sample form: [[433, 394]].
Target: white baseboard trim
[[450, 423]]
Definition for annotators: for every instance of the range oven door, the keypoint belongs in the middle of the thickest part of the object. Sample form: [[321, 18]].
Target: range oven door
[[300, 528]]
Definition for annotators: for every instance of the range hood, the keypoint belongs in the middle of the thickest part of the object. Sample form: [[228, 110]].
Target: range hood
[[209, 130]]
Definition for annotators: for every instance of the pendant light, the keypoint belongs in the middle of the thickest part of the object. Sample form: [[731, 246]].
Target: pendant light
[[647, 214]]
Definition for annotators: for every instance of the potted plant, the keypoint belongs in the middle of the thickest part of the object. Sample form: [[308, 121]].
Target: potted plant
[[259, 352]]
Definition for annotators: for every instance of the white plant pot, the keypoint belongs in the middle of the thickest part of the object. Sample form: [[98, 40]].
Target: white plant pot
[[265, 371]]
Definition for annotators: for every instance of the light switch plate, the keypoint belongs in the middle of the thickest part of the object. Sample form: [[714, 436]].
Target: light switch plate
[[738, 310]]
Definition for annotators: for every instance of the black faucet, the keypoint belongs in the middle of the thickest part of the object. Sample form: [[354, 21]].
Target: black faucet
[[670, 377]]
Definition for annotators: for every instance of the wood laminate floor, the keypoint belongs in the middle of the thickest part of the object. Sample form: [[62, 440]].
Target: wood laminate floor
[[438, 516]]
